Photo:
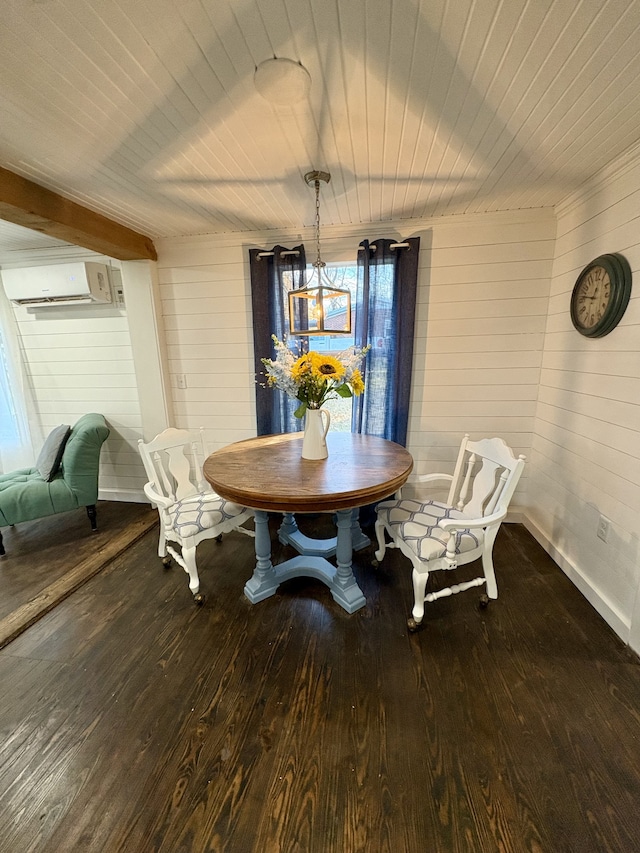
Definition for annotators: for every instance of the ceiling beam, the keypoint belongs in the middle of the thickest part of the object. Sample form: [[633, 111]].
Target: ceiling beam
[[32, 206]]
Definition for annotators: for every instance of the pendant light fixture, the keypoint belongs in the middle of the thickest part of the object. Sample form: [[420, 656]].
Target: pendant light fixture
[[320, 308]]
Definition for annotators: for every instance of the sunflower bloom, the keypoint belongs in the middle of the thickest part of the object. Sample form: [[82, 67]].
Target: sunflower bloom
[[327, 367], [357, 383], [302, 367]]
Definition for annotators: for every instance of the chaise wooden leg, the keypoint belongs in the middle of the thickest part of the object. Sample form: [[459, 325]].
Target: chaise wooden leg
[[93, 516]]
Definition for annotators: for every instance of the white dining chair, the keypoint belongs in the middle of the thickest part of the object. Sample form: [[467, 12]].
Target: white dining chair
[[442, 535], [190, 511]]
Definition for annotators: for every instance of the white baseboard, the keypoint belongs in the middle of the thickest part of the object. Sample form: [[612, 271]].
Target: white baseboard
[[124, 495], [610, 614]]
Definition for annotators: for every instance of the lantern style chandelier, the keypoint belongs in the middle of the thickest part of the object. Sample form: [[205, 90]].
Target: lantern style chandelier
[[320, 308]]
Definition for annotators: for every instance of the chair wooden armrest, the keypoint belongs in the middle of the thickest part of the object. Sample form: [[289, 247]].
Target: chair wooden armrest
[[425, 478], [157, 498], [449, 524]]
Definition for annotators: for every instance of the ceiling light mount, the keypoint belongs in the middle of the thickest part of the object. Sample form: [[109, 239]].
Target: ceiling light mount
[[282, 81], [320, 308], [312, 177]]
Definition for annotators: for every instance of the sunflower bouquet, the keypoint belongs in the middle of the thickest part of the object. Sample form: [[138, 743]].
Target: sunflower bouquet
[[314, 377]]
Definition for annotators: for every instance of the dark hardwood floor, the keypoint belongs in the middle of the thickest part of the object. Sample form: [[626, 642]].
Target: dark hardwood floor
[[133, 720], [41, 552], [49, 558]]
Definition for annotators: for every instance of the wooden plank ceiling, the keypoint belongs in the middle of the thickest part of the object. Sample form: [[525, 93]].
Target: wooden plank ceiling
[[145, 111]]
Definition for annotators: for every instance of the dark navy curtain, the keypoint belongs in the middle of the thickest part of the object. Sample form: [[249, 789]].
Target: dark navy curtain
[[273, 273], [385, 319]]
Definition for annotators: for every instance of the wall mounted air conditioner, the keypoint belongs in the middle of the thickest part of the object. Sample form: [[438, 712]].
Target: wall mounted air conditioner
[[58, 284]]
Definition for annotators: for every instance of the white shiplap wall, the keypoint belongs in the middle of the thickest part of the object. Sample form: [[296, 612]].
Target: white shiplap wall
[[78, 360], [206, 305], [483, 289], [585, 460], [482, 304]]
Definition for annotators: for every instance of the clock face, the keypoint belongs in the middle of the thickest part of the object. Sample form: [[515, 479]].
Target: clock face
[[592, 297], [600, 295]]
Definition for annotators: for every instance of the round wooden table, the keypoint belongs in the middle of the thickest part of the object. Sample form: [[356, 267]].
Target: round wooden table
[[268, 474]]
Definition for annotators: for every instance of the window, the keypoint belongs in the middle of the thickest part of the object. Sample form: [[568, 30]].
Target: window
[[345, 277], [15, 436], [9, 432], [383, 280]]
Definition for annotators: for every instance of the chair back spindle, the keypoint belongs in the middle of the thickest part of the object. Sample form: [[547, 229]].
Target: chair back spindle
[[464, 491], [495, 498], [161, 479], [199, 454], [180, 467]]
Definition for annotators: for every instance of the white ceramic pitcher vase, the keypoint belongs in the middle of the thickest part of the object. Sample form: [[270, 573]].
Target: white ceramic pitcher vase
[[316, 426]]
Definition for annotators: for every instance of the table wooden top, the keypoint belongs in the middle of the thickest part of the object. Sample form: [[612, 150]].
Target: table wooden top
[[269, 473]]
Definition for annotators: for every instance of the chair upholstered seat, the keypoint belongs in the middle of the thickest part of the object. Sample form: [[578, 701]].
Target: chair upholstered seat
[[416, 523], [192, 516]]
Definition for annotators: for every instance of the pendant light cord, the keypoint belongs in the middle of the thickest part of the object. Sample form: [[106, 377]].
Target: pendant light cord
[[319, 263]]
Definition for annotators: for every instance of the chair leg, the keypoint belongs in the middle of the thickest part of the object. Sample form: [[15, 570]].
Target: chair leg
[[93, 517], [382, 546], [419, 593], [189, 559], [487, 565], [162, 546], [2, 551]]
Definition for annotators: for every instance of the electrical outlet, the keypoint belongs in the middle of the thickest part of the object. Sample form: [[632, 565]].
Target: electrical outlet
[[181, 380], [604, 528]]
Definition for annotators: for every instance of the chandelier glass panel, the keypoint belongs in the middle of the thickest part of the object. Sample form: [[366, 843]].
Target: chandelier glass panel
[[320, 308]]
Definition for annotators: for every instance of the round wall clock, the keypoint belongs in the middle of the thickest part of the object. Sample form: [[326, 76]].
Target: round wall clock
[[600, 295]]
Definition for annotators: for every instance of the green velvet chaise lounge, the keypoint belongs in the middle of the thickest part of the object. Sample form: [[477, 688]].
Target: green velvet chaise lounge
[[69, 482]]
